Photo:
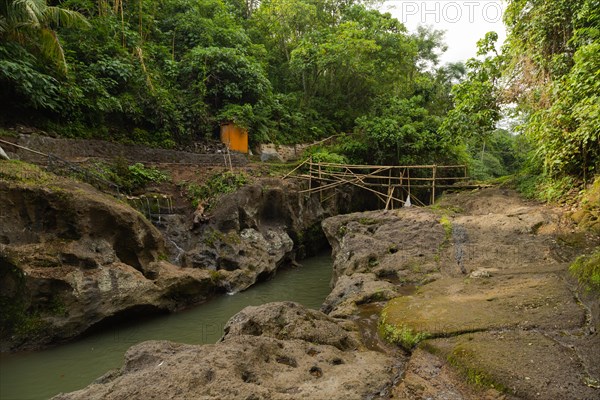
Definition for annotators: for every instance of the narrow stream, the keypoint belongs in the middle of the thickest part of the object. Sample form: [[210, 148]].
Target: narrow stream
[[43, 374]]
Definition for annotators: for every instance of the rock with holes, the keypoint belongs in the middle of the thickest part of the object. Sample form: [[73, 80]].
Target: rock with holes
[[398, 245], [255, 230], [289, 320], [351, 291], [379, 253], [276, 351]]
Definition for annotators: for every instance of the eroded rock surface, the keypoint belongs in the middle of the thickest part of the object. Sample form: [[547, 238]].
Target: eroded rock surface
[[495, 313], [300, 354], [289, 320], [253, 231], [71, 257]]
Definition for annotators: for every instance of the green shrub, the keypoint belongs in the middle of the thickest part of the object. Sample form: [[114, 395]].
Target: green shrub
[[216, 186], [130, 178], [323, 155]]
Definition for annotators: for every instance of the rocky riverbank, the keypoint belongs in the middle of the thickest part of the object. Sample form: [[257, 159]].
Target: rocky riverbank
[[474, 293], [494, 304], [72, 258]]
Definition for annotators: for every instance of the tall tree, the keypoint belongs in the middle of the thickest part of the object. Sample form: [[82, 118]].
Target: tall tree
[[552, 54]]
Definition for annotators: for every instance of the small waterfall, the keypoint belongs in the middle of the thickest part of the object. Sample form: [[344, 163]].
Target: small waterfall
[[180, 252], [158, 208], [148, 208]]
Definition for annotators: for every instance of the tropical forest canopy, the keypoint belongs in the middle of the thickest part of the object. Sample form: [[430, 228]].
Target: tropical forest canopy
[[166, 72]]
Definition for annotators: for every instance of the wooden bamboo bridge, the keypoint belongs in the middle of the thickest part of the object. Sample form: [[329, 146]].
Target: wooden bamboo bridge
[[393, 184]]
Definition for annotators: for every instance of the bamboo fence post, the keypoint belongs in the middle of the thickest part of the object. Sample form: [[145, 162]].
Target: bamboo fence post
[[310, 167], [433, 184], [389, 187], [408, 179], [320, 191]]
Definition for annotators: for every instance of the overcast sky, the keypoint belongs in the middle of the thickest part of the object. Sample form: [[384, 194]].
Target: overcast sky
[[465, 22]]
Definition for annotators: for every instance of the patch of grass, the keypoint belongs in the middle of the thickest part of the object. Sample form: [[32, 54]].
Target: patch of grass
[[443, 209], [587, 270], [459, 358], [8, 133], [544, 188], [506, 180], [401, 335], [447, 224], [216, 277], [22, 172], [130, 178]]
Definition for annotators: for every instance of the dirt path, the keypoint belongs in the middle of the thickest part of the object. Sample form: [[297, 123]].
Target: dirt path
[[505, 312]]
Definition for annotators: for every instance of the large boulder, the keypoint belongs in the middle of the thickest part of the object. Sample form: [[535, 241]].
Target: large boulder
[[289, 320]]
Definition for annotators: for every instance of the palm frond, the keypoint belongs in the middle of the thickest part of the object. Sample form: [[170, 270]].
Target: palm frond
[[50, 47], [27, 11], [31, 22], [62, 17]]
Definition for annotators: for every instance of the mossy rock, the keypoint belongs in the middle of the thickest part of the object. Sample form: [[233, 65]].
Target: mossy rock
[[522, 363], [454, 306], [587, 270]]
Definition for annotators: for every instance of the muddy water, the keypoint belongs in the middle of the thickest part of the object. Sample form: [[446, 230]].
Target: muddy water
[[72, 366]]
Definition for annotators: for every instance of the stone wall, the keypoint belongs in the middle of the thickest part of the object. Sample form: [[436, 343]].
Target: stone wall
[[285, 153], [83, 149]]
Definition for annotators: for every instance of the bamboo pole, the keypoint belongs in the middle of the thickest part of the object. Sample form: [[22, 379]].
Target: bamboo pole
[[371, 178], [433, 185], [310, 175], [320, 192], [295, 169]]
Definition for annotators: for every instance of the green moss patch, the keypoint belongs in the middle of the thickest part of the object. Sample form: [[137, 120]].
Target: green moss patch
[[452, 307], [587, 270], [24, 173], [447, 225], [524, 363]]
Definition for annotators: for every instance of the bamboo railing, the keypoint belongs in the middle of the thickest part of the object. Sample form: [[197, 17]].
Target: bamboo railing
[[392, 184]]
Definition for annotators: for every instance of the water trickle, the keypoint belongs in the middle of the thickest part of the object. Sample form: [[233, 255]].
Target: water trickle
[[158, 208], [180, 252], [148, 208]]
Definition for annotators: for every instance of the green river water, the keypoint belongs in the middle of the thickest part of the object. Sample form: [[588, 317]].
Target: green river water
[[42, 374]]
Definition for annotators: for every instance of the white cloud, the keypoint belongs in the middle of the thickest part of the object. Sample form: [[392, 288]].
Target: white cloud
[[465, 22]]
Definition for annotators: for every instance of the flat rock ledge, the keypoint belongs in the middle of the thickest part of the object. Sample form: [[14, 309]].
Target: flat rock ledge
[[477, 292]]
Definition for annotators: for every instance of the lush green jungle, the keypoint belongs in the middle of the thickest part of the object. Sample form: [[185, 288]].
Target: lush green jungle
[[168, 72]]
